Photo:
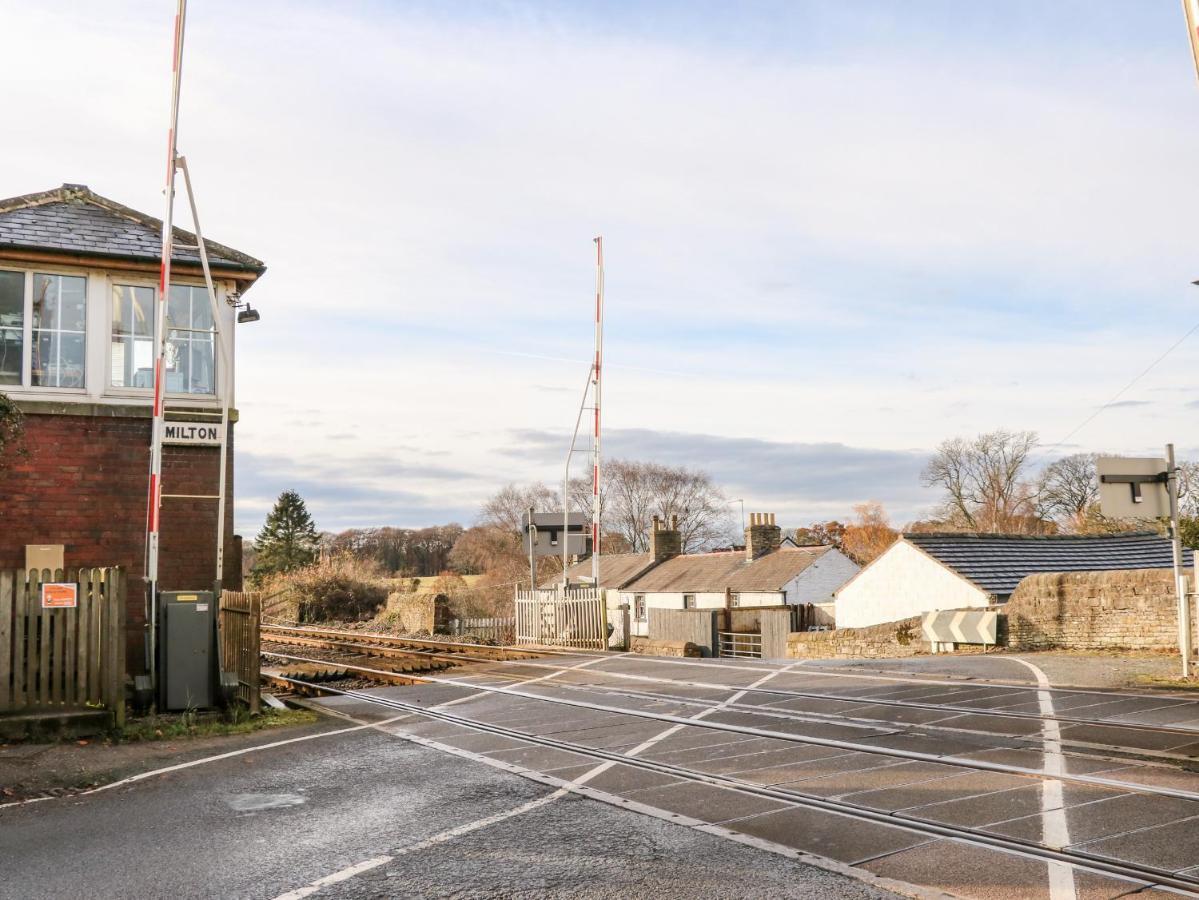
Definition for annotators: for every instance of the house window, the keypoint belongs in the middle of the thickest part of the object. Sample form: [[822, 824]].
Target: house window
[[12, 326], [188, 355], [736, 599], [131, 357], [639, 607], [59, 330], [688, 601]]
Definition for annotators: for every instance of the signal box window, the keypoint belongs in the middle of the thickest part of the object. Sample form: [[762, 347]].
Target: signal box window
[[131, 356], [189, 354], [12, 326], [59, 330]]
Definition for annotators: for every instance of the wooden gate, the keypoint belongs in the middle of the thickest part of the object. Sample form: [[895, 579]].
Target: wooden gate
[[61, 657], [577, 620], [237, 629]]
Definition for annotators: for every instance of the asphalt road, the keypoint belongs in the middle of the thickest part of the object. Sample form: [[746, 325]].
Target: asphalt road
[[268, 822], [709, 794]]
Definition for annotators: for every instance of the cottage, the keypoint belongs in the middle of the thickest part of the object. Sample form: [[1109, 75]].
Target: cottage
[[764, 574], [923, 572], [77, 291]]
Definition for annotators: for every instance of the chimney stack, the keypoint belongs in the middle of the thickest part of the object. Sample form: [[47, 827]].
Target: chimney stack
[[665, 542], [762, 536]]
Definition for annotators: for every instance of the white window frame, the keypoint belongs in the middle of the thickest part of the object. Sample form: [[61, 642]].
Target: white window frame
[[216, 350], [735, 598], [112, 281], [26, 383], [689, 601], [640, 609]]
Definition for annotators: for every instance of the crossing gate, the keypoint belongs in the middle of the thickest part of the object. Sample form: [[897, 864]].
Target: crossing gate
[[576, 619], [961, 626]]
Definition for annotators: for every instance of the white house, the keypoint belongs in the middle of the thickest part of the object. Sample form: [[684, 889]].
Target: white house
[[924, 572]]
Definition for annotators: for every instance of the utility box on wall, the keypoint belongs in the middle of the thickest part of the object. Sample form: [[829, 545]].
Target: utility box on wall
[[187, 658]]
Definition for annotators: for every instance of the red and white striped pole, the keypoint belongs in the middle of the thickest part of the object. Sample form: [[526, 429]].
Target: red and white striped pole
[[154, 499], [597, 372]]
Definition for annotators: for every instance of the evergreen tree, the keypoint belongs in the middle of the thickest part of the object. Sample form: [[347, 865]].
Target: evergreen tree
[[288, 539]]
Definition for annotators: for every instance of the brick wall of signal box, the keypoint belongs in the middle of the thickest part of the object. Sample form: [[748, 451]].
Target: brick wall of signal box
[[81, 481]]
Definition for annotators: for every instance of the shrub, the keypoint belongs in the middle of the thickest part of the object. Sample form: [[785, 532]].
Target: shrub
[[338, 588]]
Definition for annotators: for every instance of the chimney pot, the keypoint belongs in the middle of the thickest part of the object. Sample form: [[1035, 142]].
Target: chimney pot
[[665, 542], [762, 536]]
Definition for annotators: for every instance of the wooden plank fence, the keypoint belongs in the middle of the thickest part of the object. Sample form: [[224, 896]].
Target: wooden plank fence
[[238, 624], [577, 620], [63, 658]]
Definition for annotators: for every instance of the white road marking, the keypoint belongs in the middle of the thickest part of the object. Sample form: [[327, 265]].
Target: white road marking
[[142, 776], [1055, 828], [440, 838]]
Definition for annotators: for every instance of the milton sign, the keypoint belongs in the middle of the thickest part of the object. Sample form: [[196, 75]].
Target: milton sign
[[193, 433]]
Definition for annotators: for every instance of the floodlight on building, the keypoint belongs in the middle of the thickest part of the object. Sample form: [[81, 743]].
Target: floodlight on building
[[249, 314]]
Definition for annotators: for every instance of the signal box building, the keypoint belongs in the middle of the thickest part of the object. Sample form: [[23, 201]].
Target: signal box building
[[77, 293]]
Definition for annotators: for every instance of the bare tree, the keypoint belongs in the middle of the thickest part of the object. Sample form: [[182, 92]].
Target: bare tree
[[506, 508], [632, 493], [985, 483], [1068, 489]]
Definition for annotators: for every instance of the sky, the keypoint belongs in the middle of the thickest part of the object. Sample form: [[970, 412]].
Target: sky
[[835, 234]]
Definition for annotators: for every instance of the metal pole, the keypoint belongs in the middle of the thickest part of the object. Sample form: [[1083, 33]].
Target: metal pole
[[154, 498], [532, 532], [226, 367], [597, 370], [1180, 585], [566, 477]]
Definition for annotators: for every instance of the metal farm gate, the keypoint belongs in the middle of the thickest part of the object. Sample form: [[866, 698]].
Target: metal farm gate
[[577, 620]]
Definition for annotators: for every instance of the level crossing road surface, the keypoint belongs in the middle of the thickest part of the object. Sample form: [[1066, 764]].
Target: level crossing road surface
[[620, 775]]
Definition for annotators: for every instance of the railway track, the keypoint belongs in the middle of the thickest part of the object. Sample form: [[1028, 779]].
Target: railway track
[[372, 643], [1139, 874]]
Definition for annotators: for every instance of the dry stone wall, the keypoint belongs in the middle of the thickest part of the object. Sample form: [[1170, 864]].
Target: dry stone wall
[[890, 639], [1131, 609]]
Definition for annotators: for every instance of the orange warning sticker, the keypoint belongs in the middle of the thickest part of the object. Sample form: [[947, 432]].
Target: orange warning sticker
[[60, 596]]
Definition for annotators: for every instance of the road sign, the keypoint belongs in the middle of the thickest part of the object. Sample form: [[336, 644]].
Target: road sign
[[1133, 487], [547, 534], [961, 626]]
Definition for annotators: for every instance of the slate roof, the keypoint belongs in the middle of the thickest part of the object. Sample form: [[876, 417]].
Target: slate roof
[[998, 562], [75, 219], [615, 569], [772, 571], [726, 569]]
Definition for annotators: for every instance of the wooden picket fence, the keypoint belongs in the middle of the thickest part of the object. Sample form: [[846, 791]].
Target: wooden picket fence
[[63, 658], [238, 629], [575, 619]]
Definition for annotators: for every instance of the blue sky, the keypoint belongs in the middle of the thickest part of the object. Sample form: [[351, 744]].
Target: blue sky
[[836, 233]]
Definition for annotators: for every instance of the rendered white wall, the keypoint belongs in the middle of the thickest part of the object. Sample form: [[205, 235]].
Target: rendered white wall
[[819, 581], [902, 582]]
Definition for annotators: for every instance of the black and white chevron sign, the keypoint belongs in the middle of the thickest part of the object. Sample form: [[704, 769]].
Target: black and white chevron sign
[[961, 626]]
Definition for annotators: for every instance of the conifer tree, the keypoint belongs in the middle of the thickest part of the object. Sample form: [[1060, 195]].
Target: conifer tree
[[288, 539]]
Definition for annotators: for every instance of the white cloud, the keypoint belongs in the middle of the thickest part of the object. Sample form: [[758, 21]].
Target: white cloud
[[877, 249]]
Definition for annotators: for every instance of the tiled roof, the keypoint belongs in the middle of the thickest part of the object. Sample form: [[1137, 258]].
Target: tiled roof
[[615, 569], [998, 562], [727, 570], [772, 571], [74, 219], [698, 572]]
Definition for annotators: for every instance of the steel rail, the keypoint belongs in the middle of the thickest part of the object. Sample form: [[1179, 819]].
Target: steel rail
[[871, 701], [1150, 875], [415, 643], [1192, 733], [790, 737]]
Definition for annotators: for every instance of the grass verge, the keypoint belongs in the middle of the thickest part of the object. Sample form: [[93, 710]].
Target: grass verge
[[197, 725]]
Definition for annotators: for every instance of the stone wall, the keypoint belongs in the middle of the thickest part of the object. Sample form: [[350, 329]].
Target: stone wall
[[891, 639], [1135, 609], [412, 613]]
